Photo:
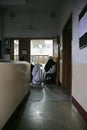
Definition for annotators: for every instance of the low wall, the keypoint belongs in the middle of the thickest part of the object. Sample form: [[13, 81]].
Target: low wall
[[14, 85], [60, 72]]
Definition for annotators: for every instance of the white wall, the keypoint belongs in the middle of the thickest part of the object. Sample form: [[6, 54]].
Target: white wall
[[79, 61], [79, 57], [14, 85]]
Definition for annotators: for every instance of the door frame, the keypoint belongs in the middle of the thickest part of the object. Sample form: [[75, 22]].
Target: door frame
[[67, 55]]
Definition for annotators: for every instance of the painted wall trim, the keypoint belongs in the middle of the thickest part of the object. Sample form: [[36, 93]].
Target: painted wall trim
[[79, 108]]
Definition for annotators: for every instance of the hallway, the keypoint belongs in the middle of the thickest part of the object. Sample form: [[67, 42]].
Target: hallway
[[48, 108]]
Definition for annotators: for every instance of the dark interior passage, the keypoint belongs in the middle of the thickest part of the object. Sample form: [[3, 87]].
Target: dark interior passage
[[48, 108]]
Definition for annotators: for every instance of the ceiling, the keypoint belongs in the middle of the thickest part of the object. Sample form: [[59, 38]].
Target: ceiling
[[38, 5], [43, 16], [12, 2]]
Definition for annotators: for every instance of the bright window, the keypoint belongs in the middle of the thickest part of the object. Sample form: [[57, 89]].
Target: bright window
[[16, 50], [40, 51]]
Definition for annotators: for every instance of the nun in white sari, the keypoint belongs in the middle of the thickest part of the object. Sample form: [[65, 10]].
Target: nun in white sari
[[36, 72]]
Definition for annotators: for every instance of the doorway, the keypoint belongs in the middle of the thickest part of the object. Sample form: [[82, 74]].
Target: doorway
[[67, 64], [40, 50]]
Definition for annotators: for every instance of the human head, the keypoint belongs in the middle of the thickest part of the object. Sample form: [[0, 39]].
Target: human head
[[50, 57]]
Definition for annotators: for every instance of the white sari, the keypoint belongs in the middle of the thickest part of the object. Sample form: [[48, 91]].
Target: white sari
[[36, 72]]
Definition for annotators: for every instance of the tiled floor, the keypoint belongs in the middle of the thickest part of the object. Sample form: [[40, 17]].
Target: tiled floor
[[48, 108]]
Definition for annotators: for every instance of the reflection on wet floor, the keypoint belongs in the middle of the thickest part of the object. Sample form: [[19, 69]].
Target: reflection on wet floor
[[48, 108], [48, 93]]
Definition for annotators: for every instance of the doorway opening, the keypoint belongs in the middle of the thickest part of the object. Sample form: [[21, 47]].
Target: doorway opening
[[40, 50], [16, 50]]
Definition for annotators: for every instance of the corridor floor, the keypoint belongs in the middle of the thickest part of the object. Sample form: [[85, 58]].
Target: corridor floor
[[48, 108]]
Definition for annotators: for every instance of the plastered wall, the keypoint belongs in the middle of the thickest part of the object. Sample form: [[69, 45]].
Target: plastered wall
[[79, 56], [14, 85], [79, 61]]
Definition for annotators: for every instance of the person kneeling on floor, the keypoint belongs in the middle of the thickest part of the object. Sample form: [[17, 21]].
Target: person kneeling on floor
[[36, 73]]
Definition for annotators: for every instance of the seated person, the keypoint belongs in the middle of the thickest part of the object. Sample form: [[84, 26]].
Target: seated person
[[36, 73], [32, 66], [50, 70]]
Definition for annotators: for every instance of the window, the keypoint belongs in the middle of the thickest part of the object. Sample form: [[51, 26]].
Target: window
[[16, 50], [40, 51]]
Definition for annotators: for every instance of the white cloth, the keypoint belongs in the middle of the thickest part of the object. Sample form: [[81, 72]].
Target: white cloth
[[52, 70], [36, 72]]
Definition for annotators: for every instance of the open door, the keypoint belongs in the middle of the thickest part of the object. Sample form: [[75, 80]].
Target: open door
[[24, 48], [67, 39], [56, 55]]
